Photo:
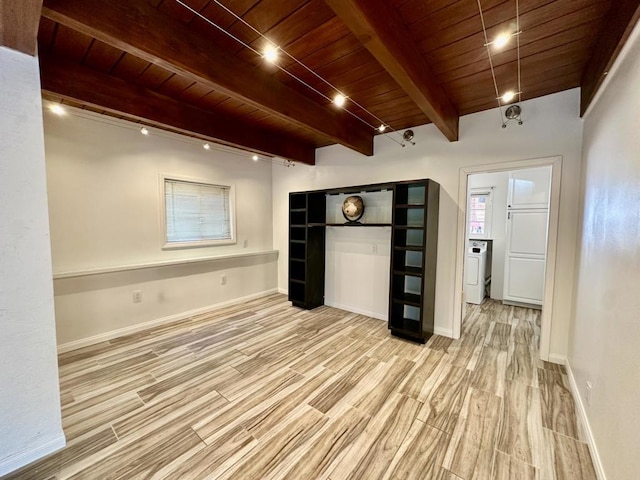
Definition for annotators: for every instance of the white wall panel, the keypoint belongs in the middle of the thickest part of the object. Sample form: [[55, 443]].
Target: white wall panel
[[605, 331], [30, 424]]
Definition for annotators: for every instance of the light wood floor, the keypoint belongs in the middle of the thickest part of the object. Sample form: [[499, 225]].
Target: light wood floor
[[264, 390]]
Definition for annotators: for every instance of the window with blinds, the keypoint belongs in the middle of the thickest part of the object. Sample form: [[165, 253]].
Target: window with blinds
[[197, 214], [479, 214]]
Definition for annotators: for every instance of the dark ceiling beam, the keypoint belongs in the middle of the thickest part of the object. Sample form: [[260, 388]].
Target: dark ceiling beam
[[90, 87], [381, 30], [19, 20], [138, 28], [616, 28]]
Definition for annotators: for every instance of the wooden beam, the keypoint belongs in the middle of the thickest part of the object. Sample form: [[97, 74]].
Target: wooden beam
[[90, 87], [19, 20], [381, 30], [622, 17], [138, 28]]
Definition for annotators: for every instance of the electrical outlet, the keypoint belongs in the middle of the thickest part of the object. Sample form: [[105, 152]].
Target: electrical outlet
[[587, 393], [374, 248], [223, 279], [137, 296], [245, 243]]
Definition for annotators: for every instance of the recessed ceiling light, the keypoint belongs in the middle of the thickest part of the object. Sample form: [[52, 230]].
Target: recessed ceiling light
[[382, 128], [270, 53], [206, 146], [254, 158], [508, 96], [339, 100], [57, 109], [144, 131], [501, 40]]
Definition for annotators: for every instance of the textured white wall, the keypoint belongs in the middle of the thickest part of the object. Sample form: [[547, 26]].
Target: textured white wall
[[104, 205], [30, 425], [605, 332], [552, 127]]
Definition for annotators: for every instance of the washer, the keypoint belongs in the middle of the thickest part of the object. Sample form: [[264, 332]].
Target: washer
[[475, 272]]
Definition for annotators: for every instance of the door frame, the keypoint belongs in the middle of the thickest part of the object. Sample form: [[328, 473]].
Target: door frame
[[552, 240]]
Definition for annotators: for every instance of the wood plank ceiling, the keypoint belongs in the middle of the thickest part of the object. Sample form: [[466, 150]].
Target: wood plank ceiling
[[409, 62]]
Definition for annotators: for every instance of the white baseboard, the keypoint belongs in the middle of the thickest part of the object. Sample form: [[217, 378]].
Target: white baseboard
[[358, 310], [444, 332], [20, 460], [102, 337], [284, 291], [559, 359], [586, 428]]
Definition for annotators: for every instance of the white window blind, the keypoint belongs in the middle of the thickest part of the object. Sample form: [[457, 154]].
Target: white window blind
[[197, 212]]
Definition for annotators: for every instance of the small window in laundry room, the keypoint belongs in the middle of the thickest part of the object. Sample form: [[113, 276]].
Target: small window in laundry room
[[479, 213]]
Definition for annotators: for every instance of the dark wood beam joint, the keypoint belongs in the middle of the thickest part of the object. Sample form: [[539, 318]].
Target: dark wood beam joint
[[82, 84], [620, 21], [381, 30], [19, 21]]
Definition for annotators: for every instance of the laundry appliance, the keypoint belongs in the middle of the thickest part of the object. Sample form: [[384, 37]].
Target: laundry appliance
[[477, 271]]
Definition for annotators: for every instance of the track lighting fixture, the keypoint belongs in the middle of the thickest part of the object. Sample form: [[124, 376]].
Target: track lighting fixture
[[271, 54]]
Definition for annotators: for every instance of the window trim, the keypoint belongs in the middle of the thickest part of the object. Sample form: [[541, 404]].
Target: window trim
[[196, 243], [488, 213]]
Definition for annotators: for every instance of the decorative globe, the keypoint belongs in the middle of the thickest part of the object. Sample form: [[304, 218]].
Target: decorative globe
[[353, 208]]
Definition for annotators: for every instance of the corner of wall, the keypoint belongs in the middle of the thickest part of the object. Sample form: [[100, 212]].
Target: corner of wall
[[584, 421]]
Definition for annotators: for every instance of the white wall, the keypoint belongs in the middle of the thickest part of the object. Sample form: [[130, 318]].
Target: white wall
[[500, 183], [30, 424], [552, 127], [604, 344], [104, 205], [364, 252]]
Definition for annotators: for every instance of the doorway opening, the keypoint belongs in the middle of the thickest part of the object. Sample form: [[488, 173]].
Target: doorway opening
[[507, 238]]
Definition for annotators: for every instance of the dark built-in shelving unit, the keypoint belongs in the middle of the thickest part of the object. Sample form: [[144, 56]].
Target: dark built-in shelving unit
[[414, 241], [306, 249], [414, 244]]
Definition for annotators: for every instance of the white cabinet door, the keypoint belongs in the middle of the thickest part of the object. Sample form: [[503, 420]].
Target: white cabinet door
[[525, 280], [527, 232], [525, 256], [529, 188]]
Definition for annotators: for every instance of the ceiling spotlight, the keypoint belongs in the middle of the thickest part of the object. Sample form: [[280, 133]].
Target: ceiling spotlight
[[508, 96], [501, 40], [57, 109], [144, 131], [270, 53], [255, 158], [407, 136], [382, 128], [339, 100], [206, 146]]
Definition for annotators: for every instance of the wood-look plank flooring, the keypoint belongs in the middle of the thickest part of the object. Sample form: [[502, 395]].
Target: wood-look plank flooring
[[264, 390]]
